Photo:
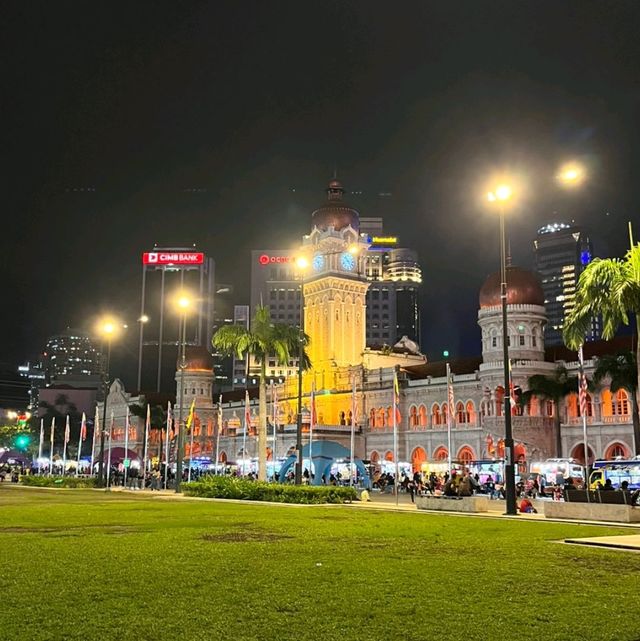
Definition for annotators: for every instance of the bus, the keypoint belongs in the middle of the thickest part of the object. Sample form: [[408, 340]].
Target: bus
[[557, 470], [617, 471]]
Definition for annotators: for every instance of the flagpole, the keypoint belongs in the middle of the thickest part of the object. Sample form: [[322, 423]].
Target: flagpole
[[166, 446], [40, 445], [244, 432], [218, 433], [449, 395], [353, 432], [64, 447], [395, 432], [96, 429], [274, 397], [109, 457], [145, 446], [582, 395], [53, 429], [312, 419], [126, 447], [81, 437], [190, 449]]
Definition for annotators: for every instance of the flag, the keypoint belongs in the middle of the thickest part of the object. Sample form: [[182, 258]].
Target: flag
[[67, 431], [41, 440], [247, 412], [396, 398], [219, 413], [83, 427], [583, 385], [276, 409], [191, 416], [512, 396], [450, 398], [312, 402]]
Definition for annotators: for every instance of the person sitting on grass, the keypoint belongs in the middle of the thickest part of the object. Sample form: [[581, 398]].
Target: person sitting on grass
[[526, 507]]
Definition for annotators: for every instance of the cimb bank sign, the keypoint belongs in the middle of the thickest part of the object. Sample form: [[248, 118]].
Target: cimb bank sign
[[173, 258]]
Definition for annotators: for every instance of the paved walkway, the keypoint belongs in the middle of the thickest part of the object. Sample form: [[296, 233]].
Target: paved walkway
[[629, 542]]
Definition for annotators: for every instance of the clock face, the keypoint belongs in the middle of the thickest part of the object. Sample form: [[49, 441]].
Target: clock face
[[347, 261], [318, 262]]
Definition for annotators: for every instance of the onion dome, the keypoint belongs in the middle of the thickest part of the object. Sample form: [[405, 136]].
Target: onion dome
[[197, 359], [523, 288], [335, 212]]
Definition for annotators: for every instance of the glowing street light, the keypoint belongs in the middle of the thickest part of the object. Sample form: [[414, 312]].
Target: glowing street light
[[571, 174]]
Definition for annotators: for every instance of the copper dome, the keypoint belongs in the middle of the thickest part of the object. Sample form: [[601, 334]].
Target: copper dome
[[197, 359], [523, 288], [335, 212]]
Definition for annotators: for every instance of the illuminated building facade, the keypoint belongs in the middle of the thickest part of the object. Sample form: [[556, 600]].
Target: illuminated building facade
[[71, 357], [561, 253]]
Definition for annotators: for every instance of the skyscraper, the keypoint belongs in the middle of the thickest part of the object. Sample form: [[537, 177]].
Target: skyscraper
[[561, 253]]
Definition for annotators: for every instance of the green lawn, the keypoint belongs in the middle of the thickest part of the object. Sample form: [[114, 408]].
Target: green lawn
[[81, 564]]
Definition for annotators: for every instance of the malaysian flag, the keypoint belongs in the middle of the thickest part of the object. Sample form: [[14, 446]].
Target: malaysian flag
[[396, 398], [450, 398], [83, 427], [67, 431]]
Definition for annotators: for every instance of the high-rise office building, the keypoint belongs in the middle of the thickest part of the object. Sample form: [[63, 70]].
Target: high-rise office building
[[562, 251], [71, 358], [166, 272]]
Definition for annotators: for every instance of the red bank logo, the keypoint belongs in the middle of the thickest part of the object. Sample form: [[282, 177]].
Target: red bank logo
[[172, 258], [265, 259]]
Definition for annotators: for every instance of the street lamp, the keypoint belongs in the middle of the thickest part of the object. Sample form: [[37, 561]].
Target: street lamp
[[571, 174], [302, 264], [183, 303], [107, 328], [501, 195], [143, 320]]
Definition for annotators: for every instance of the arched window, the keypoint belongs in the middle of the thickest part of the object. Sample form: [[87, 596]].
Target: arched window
[[418, 457], [423, 416], [390, 415], [471, 412], [466, 455], [342, 419], [413, 416], [606, 402], [549, 407], [441, 454], [435, 415], [375, 457], [381, 420], [445, 413], [461, 414], [616, 450], [499, 401], [372, 417], [622, 403], [572, 405], [388, 455]]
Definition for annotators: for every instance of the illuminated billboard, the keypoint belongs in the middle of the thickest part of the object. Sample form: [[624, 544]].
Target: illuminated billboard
[[270, 259], [172, 258]]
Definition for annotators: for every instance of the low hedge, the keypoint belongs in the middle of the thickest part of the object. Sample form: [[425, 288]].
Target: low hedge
[[231, 487], [58, 481]]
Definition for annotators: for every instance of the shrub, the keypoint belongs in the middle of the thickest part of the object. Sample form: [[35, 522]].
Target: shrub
[[58, 481], [231, 487]]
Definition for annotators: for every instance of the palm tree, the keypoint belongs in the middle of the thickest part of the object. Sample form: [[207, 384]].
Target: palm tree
[[608, 287], [552, 388], [262, 341], [622, 369]]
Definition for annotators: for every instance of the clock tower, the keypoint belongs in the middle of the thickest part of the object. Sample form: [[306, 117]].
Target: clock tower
[[334, 286]]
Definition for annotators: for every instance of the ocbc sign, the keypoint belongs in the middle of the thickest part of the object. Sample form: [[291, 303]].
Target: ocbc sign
[[265, 259]]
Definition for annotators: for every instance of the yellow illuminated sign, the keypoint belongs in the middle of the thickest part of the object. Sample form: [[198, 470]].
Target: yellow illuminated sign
[[384, 240]]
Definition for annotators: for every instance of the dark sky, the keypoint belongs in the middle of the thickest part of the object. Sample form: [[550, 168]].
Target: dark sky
[[194, 122]]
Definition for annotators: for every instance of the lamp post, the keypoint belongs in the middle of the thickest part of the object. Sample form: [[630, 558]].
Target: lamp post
[[141, 321], [183, 304], [301, 263], [107, 328], [500, 195]]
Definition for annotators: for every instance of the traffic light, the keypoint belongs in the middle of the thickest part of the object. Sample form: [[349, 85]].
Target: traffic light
[[22, 441]]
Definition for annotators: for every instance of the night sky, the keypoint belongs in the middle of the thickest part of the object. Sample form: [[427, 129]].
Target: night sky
[[219, 123]]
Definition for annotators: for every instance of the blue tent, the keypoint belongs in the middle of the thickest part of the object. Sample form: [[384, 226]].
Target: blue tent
[[325, 454]]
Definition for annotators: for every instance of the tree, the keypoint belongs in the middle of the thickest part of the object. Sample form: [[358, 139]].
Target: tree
[[622, 369], [263, 340], [608, 287], [158, 419], [552, 388], [61, 408]]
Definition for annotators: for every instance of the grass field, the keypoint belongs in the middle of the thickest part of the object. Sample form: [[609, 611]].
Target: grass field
[[79, 564]]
